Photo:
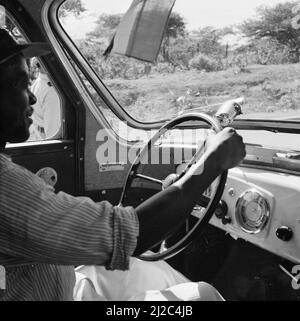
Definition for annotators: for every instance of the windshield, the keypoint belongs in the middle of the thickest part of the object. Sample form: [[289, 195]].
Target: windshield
[[212, 51]]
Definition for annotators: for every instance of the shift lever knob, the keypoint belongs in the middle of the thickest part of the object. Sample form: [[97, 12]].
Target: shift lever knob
[[229, 110]]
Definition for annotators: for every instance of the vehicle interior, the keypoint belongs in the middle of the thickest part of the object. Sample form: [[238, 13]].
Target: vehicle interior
[[127, 124]]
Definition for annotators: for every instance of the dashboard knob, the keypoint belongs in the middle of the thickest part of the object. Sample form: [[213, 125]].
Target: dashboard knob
[[221, 210], [221, 213], [284, 233], [226, 220]]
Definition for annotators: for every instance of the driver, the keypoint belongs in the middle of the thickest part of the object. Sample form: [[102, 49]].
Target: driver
[[43, 235]]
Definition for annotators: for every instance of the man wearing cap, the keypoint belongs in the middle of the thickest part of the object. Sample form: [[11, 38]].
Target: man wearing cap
[[44, 234]]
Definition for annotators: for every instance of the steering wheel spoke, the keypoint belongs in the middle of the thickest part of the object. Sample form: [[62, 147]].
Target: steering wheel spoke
[[147, 178]]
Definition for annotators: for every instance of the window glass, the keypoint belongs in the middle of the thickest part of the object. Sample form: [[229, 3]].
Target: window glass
[[48, 114], [211, 52]]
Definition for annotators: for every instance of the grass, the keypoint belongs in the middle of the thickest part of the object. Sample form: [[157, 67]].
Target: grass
[[267, 89]]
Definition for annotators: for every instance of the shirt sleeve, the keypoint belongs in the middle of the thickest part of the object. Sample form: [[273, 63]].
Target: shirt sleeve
[[42, 226]]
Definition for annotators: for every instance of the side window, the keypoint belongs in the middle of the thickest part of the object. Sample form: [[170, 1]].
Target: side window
[[48, 109], [47, 115]]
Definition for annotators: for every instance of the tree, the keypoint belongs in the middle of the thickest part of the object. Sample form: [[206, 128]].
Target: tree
[[107, 23], [275, 23], [208, 41], [175, 28], [181, 50], [110, 21], [74, 7], [106, 26]]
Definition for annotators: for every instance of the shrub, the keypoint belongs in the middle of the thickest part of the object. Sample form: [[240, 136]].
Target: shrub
[[270, 51], [287, 102], [203, 62], [181, 51], [239, 62], [163, 68]]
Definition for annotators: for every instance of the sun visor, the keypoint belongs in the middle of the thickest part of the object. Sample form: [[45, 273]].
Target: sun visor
[[141, 30]]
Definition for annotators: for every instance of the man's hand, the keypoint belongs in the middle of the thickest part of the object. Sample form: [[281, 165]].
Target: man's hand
[[227, 146], [169, 180], [169, 208], [228, 150]]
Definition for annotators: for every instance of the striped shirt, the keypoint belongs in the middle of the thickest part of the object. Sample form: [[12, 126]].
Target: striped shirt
[[44, 234]]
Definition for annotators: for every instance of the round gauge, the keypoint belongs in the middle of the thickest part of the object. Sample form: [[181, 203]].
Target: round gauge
[[252, 211]]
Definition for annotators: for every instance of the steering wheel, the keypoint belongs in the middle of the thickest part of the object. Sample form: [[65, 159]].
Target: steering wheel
[[209, 204]]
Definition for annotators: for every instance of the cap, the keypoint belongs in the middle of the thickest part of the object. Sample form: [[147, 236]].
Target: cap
[[10, 48]]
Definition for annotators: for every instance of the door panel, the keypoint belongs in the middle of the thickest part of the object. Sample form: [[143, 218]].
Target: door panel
[[58, 156]]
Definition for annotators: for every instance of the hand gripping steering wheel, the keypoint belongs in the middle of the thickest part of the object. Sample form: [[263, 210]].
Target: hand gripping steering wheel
[[209, 204]]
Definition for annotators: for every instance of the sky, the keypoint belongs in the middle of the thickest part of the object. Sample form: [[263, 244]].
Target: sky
[[197, 13]]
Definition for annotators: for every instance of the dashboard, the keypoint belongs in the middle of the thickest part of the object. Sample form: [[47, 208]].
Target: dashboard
[[261, 207]]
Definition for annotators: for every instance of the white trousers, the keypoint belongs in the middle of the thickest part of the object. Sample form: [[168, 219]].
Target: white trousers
[[144, 281]]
